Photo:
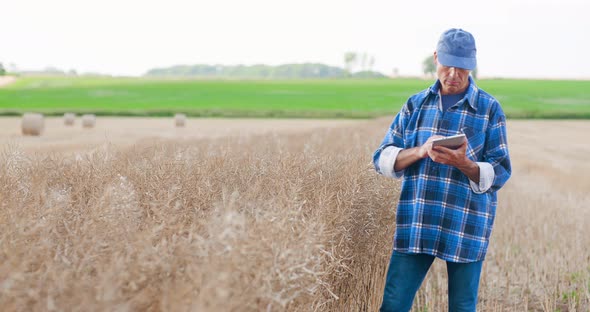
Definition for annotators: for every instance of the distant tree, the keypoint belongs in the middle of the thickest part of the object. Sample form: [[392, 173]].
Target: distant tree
[[364, 59], [371, 62], [260, 71], [2, 70], [428, 66], [368, 74], [50, 70], [350, 59]]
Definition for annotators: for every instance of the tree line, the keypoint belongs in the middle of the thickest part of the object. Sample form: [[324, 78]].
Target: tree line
[[286, 71]]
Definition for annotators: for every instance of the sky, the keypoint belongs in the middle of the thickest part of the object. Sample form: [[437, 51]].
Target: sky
[[514, 38]]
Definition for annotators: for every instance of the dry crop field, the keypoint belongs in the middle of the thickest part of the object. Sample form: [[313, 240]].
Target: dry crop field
[[280, 215]]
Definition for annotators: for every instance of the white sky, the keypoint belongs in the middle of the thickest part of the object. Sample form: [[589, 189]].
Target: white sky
[[515, 38]]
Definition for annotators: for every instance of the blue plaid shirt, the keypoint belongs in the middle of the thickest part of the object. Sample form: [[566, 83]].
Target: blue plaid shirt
[[440, 211]]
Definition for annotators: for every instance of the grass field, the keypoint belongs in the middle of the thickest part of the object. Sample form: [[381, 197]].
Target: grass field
[[297, 98]]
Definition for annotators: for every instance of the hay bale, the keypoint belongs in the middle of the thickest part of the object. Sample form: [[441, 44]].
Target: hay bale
[[88, 120], [32, 124], [180, 120], [69, 119]]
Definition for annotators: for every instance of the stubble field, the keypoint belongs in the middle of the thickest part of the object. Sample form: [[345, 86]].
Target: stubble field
[[136, 215]]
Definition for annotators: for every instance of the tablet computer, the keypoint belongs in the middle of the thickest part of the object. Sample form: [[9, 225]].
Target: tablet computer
[[452, 142]]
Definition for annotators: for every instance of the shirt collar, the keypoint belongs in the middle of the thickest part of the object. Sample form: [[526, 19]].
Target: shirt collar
[[470, 95]]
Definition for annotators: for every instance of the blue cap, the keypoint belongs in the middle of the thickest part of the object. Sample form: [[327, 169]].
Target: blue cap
[[456, 48]]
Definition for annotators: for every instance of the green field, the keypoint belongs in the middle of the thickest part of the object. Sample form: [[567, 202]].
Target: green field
[[285, 98]]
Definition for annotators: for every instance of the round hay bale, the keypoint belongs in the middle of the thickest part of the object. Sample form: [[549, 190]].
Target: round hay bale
[[32, 124], [180, 120], [88, 120], [69, 119]]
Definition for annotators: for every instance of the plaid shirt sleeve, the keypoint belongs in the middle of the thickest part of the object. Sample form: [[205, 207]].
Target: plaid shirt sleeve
[[393, 142], [496, 152]]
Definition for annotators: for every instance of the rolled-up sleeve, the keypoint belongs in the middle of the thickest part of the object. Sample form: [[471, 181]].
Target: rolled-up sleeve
[[393, 142], [387, 162], [486, 178]]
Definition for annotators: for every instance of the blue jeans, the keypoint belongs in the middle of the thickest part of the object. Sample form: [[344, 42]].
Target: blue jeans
[[407, 271]]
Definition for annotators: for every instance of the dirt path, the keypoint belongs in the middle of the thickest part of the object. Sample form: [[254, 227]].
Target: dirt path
[[125, 131], [556, 151], [6, 80], [546, 145]]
